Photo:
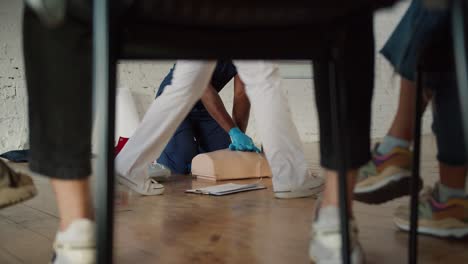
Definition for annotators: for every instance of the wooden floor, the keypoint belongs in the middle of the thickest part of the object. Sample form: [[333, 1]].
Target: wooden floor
[[244, 228]]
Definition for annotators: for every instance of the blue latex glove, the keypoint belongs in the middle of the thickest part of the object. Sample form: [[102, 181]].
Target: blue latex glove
[[241, 141]]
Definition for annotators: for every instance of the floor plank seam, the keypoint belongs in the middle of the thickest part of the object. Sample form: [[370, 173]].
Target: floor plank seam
[[7, 252]]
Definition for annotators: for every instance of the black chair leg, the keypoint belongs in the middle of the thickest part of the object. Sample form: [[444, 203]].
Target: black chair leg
[[104, 79], [461, 65], [413, 238], [340, 136]]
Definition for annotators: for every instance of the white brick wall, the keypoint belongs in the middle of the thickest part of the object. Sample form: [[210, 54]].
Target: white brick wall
[[143, 78], [13, 116]]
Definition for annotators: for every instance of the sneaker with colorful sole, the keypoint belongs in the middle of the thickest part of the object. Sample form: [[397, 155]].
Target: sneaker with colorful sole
[[435, 218], [385, 177]]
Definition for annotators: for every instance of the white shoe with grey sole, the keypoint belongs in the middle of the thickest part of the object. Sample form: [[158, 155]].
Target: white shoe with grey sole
[[148, 187], [76, 244], [313, 187], [325, 245]]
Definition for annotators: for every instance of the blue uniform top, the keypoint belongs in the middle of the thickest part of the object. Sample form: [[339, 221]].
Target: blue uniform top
[[222, 74]]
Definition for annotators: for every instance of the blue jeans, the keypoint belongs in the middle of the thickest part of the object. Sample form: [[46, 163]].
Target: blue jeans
[[198, 133], [402, 50], [413, 31]]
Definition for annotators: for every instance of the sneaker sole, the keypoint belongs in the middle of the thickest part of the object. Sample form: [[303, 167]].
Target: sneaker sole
[[444, 233], [12, 196], [132, 186], [299, 194], [162, 178], [357, 257], [89, 258], [391, 188]]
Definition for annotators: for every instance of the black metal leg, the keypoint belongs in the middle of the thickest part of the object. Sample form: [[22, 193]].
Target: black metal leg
[[458, 32], [338, 113], [413, 239], [104, 79]]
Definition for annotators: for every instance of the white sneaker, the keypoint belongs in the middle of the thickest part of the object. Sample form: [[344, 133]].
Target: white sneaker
[[77, 244], [158, 172], [148, 187], [313, 187], [325, 246]]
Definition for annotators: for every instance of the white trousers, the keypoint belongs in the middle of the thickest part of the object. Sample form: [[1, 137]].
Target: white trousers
[[278, 133]]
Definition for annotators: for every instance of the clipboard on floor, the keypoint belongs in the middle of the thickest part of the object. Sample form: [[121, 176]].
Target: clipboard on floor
[[228, 188]]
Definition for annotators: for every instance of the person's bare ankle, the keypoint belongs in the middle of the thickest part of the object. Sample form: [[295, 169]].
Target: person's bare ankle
[[327, 203]]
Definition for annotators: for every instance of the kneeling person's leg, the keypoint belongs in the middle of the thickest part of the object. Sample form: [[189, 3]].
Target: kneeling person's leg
[[180, 150], [209, 134]]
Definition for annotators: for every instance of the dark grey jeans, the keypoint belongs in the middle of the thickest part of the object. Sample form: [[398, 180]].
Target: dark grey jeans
[[59, 81], [357, 83], [402, 49]]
